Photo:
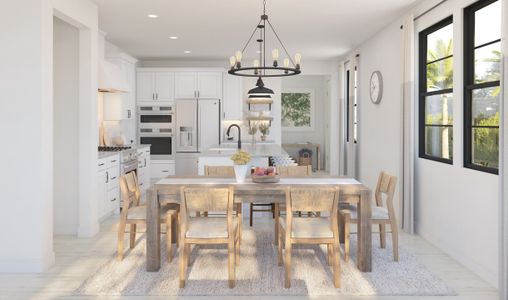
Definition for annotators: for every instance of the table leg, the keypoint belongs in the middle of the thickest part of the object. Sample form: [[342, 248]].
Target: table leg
[[153, 231], [277, 215], [364, 248], [318, 158]]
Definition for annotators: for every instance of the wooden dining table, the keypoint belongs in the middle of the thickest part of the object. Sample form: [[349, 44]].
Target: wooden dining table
[[167, 190]]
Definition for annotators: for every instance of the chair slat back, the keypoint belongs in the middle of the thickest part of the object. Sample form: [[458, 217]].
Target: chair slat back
[[312, 199], [207, 199], [294, 171], [129, 188], [220, 171], [385, 186]]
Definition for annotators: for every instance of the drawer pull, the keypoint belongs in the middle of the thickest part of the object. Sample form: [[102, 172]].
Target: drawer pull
[[113, 178], [165, 171], [100, 165], [113, 161], [113, 200]]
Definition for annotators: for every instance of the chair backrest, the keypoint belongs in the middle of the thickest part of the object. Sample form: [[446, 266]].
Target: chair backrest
[[220, 171], [385, 185], [312, 198], [294, 171], [129, 188], [207, 199]]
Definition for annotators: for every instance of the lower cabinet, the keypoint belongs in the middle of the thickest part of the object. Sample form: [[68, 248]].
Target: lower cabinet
[[108, 191], [143, 172], [162, 168]]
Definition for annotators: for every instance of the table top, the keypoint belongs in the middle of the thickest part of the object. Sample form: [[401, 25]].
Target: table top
[[232, 181]]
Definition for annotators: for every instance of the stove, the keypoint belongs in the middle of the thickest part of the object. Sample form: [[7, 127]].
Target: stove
[[113, 148], [128, 156]]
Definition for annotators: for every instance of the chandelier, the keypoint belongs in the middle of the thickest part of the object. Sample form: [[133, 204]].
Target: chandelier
[[259, 67]]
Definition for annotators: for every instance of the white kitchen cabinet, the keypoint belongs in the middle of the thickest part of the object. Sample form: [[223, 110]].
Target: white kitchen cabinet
[[154, 87], [233, 98], [203, 85], [108, 191], [143, 171], [162, 168]]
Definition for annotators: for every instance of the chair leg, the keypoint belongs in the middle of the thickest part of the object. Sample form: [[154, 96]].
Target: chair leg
[[329, 254], [183, 264], [273, 210], [231, 263], [169, 242], [342, 233], [187, 255], [121, 232], [205, 214], [237, 250], [395, 241], [336, 264], [250, 212], [287, 262], [382, 235], [279, 249], [277, 220], [132, 235], [240, 222], [347, 219]]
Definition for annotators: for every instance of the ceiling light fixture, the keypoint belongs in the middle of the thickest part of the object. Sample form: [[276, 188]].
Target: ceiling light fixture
[[187, 51], [152, 16], [260, 68], [173, 38]]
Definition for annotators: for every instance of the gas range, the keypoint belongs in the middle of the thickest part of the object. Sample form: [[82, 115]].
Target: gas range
[[127, 153]]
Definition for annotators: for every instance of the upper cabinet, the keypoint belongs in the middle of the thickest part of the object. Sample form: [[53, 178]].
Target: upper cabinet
[[155, 86], [233, 98], [198, 85]]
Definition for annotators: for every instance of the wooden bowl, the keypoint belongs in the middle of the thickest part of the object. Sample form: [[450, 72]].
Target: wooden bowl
[[265, 178]]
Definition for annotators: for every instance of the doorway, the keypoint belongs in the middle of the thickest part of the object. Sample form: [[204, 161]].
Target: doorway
[[350, 123]]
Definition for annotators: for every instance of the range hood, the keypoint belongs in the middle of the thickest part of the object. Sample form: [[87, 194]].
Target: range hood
[[111, 77]]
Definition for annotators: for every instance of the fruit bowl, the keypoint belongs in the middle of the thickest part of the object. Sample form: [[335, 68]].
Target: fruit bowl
[[265, 175]]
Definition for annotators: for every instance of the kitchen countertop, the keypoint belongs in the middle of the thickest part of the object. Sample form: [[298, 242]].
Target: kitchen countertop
[[256, 150], [104, 154]]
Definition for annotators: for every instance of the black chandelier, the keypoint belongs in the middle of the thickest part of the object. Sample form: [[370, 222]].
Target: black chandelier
[[259, 68]]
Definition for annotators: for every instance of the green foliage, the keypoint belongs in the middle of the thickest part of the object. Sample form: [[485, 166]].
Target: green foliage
[[440, 74], [486, 141], [296, 110]]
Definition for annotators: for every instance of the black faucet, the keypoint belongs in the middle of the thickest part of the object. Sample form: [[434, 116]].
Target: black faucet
[[239, 134]]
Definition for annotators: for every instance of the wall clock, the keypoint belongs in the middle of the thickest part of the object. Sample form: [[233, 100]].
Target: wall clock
[[376, 87]]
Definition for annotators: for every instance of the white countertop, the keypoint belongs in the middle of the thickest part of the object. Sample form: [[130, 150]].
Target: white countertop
[[256, 150]]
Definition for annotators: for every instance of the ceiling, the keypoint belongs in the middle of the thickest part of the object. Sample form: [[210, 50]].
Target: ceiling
[[215, 29]]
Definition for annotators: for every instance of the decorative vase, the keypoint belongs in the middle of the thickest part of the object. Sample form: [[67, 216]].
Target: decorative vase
[[241, 172], [253, 139]]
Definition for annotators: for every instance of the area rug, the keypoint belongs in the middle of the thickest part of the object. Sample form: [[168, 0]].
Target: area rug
[[258, 273]]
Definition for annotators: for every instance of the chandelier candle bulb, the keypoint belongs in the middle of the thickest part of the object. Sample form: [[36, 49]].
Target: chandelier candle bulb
[[298, 59], [232, 61], [256, 65], [275, 56]]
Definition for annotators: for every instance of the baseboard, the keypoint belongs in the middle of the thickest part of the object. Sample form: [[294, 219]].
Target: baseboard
[[88, 231], [464, 259], [27, 265]]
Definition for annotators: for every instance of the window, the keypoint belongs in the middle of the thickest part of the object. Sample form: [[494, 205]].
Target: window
[[297, 109], [436, 92], [482, 57]]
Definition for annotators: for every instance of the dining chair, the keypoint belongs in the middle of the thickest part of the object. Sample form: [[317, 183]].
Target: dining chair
[[283, 171], [315, 230], [134, 214], [208, 230], [381, 215]]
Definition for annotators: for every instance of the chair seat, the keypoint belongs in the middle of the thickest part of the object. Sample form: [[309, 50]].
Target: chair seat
[[378, 212], [139, 213], [309, 227], [207, 228]]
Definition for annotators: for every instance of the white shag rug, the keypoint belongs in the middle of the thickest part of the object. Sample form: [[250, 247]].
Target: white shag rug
[[258, 273]]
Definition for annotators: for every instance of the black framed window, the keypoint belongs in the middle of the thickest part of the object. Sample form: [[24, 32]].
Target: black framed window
[[482, 65], [436, 92]]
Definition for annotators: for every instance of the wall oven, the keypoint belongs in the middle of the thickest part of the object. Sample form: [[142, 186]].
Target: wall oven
[[156, 128]]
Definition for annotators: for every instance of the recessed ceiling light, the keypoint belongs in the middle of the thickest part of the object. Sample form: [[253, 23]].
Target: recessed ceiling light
[[186, 51], [152, 16], [258, 51], [173, 38]]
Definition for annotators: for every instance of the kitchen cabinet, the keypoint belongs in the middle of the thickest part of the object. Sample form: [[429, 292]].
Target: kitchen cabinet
[[108, 190], [162, 168], [155, 87], [187, 164], [233, 98], [143, 171], [202, 85]]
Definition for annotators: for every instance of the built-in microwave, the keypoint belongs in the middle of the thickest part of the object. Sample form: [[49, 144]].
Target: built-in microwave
[[156, 119]]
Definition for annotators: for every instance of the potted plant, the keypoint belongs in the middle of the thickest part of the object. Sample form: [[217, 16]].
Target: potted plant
[[241, 160], [264, 128], [253, 129]]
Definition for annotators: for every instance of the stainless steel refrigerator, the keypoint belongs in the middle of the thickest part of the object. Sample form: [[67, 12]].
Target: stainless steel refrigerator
[[197, 129]]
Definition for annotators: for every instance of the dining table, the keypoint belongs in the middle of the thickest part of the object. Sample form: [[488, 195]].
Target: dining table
[[167, 190]]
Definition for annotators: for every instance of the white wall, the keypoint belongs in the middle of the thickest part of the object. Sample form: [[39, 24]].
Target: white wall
[[65, 127], [316, 135], [456, 209]]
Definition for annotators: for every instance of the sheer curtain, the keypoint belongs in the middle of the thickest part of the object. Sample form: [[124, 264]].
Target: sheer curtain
[[407, 123]]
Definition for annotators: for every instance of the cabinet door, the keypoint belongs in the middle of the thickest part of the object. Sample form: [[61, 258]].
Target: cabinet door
[[209, 85], [145, 90], [161, 170], [164, 86], [101, 193], [233, 98], [185, 85], [209, 124]]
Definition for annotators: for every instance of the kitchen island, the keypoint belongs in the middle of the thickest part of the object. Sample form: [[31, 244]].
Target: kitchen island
[[220, 155]]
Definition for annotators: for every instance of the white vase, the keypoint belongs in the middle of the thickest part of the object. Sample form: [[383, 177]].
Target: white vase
[[241, 172]]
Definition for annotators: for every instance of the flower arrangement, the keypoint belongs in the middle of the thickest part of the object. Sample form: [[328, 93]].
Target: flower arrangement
[[241, 158], [264, 128]]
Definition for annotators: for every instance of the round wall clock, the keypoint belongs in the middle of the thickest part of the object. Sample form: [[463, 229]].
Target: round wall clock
[[376, 87]]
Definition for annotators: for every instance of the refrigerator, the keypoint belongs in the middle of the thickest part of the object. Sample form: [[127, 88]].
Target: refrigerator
[[197, 129]]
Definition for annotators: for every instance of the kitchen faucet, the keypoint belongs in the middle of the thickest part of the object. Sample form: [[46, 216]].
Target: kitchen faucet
[[239, 134]]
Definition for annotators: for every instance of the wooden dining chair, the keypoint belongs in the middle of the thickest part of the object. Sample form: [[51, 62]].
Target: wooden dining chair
[[211, 230], [220, 171], [283, 171], [314, 230], [134, 214], [381, 215]]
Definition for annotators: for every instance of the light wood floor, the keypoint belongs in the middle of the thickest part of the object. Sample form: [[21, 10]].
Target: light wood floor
[[76, 259]]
